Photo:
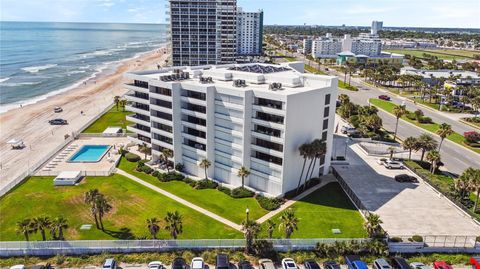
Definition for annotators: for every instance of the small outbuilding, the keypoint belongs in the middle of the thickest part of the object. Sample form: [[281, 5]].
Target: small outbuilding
[[67, 178], [112, 131]]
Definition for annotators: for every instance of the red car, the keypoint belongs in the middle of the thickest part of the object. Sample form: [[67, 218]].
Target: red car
[[441, 265], [475, 261], [384, 97]]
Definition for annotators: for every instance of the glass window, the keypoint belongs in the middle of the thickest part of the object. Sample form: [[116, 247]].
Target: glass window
[[327, 99], [325, 124]]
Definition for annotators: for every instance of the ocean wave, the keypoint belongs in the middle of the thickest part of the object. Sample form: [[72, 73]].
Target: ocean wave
[[75, 72], [3, 79], [13, 84], [36, 69]]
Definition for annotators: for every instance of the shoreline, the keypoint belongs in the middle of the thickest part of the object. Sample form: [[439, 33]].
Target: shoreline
[[103, 70], [80, 105]]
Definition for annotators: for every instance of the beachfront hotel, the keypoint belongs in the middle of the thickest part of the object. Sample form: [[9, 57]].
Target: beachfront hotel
[[252, 115]]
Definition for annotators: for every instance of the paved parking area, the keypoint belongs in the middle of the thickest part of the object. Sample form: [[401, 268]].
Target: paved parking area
[[405, 208]]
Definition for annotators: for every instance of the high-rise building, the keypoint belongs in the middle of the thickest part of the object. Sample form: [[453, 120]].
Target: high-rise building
[[376, 26], [307, 46], [252, 115], [249, 32], [326, 47], [203, 31]]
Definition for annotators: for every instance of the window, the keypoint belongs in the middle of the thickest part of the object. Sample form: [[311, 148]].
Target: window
[[324, 135], [327, 99], [326, 112], [325, 124]]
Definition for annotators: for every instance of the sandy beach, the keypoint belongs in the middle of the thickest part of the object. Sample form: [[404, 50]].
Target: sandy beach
[[30, 122]]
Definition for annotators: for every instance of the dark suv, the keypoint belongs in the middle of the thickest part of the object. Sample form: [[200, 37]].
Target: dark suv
[[58, 122], [221, 262]]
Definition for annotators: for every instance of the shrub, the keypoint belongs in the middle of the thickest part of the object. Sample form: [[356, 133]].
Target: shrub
[[155, 173], [174, 176], [242, 193], [264, 248], [179, 167], [140, 165], [132, 157], [396, 239], [472, 137], [206, 184], [425, 120], [190, 182], [418, 114], [268, 203], [411, 116], [146, 169], [224, 190], [416, 238], [354, 121]]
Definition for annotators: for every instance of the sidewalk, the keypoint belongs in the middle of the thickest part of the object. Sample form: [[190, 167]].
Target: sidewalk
[[180, 200]]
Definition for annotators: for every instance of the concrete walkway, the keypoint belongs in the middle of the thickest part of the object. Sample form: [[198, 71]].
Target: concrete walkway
[[182, 201], [325, 180]]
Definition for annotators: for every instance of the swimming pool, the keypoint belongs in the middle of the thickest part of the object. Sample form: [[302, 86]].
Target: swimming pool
[[89, 154]]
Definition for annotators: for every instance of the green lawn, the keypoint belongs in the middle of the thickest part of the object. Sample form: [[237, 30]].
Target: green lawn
[[113, 117], [313, 70], [441, 54], [213, 200], [325, 209], [345, 86], [132, 205], [432, 127]]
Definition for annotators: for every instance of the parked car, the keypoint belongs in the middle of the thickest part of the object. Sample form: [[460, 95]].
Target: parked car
[[391, 164], [197, 263], [179, 263], [244, 265], [222, 261], [405, 178], [57, 109], [58, 122], [155, 265], [441, 265], [311, 264], [109, 264], [331, 265], [348, 130], [475, 262], [381, 264], [41, 266], [289, 263], [419, 265], [399, 263], [18, 266], [266, 264], [354, 262], [384, 97]]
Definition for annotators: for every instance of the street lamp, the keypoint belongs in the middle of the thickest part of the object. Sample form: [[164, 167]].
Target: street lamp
[[246, 212]]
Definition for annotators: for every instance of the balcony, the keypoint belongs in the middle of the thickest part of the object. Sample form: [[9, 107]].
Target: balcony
[[137, 130], [194, 114], [133, 98], [162, 132], [140, 119], [138, 110], [133, 87], [268, 110]]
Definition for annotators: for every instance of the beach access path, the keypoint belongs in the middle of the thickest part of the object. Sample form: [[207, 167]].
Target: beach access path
[[30, 122]]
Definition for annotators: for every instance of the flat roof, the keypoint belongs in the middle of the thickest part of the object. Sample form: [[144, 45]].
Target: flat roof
[[112, 130], [69, 174]]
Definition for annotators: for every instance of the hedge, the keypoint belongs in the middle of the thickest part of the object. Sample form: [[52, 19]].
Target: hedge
[[206, 184], [225, 190], [241, 192], [268, 203], [131, 157]]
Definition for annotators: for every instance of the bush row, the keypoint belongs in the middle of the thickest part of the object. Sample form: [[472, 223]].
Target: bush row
[[268, 203]]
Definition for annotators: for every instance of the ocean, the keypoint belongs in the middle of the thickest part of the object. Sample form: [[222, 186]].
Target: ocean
[[40, 59]]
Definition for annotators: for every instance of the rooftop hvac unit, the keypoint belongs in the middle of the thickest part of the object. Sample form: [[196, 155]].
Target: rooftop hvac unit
[[204, 80], [239, 83], [275, 86]]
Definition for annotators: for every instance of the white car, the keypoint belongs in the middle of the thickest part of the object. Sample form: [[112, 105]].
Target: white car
[[419, 265], [289, 263], [197, 263], [348, 130], [155, 265], [18, 266], [390, 164]]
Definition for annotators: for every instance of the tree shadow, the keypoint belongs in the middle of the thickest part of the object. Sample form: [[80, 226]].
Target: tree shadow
[[124, 233]]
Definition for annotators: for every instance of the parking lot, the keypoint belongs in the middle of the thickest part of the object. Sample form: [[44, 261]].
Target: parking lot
[[405, 208]]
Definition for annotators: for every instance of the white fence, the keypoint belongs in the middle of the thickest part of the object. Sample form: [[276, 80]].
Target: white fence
[[43, 248], [32, 168]]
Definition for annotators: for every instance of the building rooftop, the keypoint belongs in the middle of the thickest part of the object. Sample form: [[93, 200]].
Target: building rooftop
[[285, 79], [441, 73]]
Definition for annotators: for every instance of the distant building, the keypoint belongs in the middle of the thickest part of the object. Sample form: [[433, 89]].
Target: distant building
[[249, 32], [307, 46], [376, 26], [384, 57], [455, 77], [326, 47]]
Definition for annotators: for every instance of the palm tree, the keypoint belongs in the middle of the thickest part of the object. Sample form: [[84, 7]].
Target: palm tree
[[90, 199], [289, 222], [473, 177], [40, 224], [103, 208], [410, 144], [343, 98], [205, 164], [174, 223], [461, 186], [319, 148], [153, 228], [24, 227], [243, 173], [143, 148], [270, 227], [116, 100], [372, 225], [122, 103], [433, 157], [443, 131], [250, 230], [398, 111], [391, 150], [58, 224], [167, 154], [304, 152], [426, 142]]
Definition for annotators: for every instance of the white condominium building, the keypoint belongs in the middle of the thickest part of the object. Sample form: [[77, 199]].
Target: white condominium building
[[326, 47], [252, 115], [203, 31], [376, 26], [307, 46], [249, 32]]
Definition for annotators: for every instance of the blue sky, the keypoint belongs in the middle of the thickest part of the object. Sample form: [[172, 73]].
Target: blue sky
[[426, 13]]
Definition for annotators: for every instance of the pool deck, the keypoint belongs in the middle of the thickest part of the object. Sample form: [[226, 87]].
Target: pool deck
[[60, 162]]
